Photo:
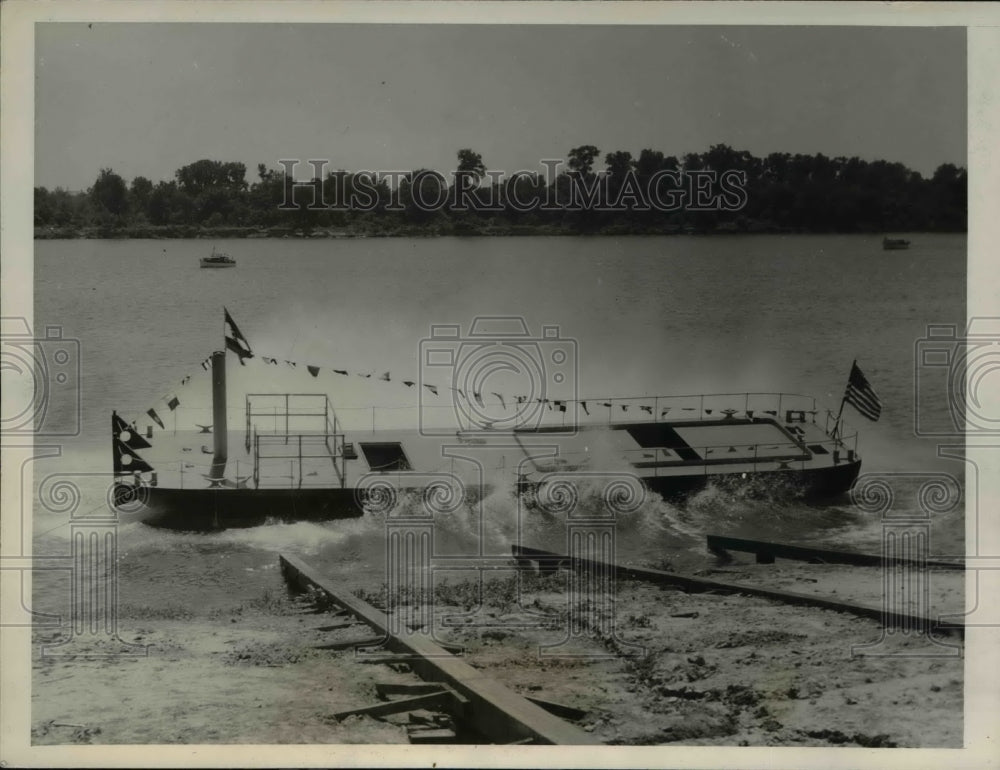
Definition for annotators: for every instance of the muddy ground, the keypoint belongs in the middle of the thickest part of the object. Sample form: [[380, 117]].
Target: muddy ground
[[235, 660]]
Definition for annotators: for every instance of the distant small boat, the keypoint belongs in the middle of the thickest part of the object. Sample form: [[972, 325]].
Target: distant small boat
[[895, 244], [218, 259]]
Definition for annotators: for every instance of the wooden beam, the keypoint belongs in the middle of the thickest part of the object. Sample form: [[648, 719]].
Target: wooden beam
[[700, 585], [442, 700], [559, 709], [385, 689], [367, 642], [334, 627], [496, 711], [766, 553]]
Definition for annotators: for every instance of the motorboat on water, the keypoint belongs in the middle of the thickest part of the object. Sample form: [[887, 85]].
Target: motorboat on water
[[294, 457], [895, 244], [218, 259]]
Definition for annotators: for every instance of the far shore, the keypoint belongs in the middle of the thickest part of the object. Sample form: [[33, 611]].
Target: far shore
[[403, 231]]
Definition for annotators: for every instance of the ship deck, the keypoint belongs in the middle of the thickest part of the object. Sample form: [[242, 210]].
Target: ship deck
[[182, 459]]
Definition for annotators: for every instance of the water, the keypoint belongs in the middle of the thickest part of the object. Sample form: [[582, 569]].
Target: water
[[649, 315]]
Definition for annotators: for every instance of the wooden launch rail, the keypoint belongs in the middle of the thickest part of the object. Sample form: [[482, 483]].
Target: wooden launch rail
[[767, 552], [495, 711], [546, 560]]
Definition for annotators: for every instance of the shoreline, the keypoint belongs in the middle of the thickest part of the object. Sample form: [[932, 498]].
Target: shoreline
[[183, 232], [238, 662]]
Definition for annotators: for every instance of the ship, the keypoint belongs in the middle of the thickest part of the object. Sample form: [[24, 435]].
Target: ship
[[293, 457], [895, 244], [218, 259]]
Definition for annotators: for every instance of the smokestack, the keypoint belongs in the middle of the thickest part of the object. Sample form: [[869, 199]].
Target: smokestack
[[219, 414]]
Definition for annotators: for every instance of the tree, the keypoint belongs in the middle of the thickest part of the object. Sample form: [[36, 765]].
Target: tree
[[619, 163], [110, 194], [472, 163], [581, 159], [201, 175], [139, 193]]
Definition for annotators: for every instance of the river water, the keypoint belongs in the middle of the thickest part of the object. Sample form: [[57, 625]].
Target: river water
[[645, 316]]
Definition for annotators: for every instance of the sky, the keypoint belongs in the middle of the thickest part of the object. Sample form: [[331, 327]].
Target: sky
[[146, 99]]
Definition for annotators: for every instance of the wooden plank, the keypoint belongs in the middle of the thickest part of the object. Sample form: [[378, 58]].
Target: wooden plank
[[367, 642], [334, 627], [559, 709], [385, 689], [766, 552], [436, 735], [700, 585], [495, 710], [442, 700]]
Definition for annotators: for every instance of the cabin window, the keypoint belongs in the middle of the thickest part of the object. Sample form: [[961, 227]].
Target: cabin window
[[386, 456]]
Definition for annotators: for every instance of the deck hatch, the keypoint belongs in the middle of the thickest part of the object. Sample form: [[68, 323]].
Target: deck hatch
[[649, 435], [385, 456]]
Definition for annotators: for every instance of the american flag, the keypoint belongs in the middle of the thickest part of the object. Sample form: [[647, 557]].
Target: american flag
[[861, 395]]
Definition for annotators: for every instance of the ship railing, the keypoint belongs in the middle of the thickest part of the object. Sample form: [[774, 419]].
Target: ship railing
[[287, 413], [295, 448], [568, 414], [308, 412]]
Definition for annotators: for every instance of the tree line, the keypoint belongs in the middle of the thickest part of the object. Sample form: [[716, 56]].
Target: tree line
[[721, 190]]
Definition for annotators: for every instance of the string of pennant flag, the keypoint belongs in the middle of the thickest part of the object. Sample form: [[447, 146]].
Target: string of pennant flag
[[237, 343]]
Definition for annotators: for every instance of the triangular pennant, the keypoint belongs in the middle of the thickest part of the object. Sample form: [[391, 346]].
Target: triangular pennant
[[409, 383], [646, 409], [235, 346], [127, 434], [173, 403], [503, 404], [385, 377], [235, 340], [156, 418], [432, 388], [186, 380], [340, 371], [584, 405], [127, 461], [313, 370]]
